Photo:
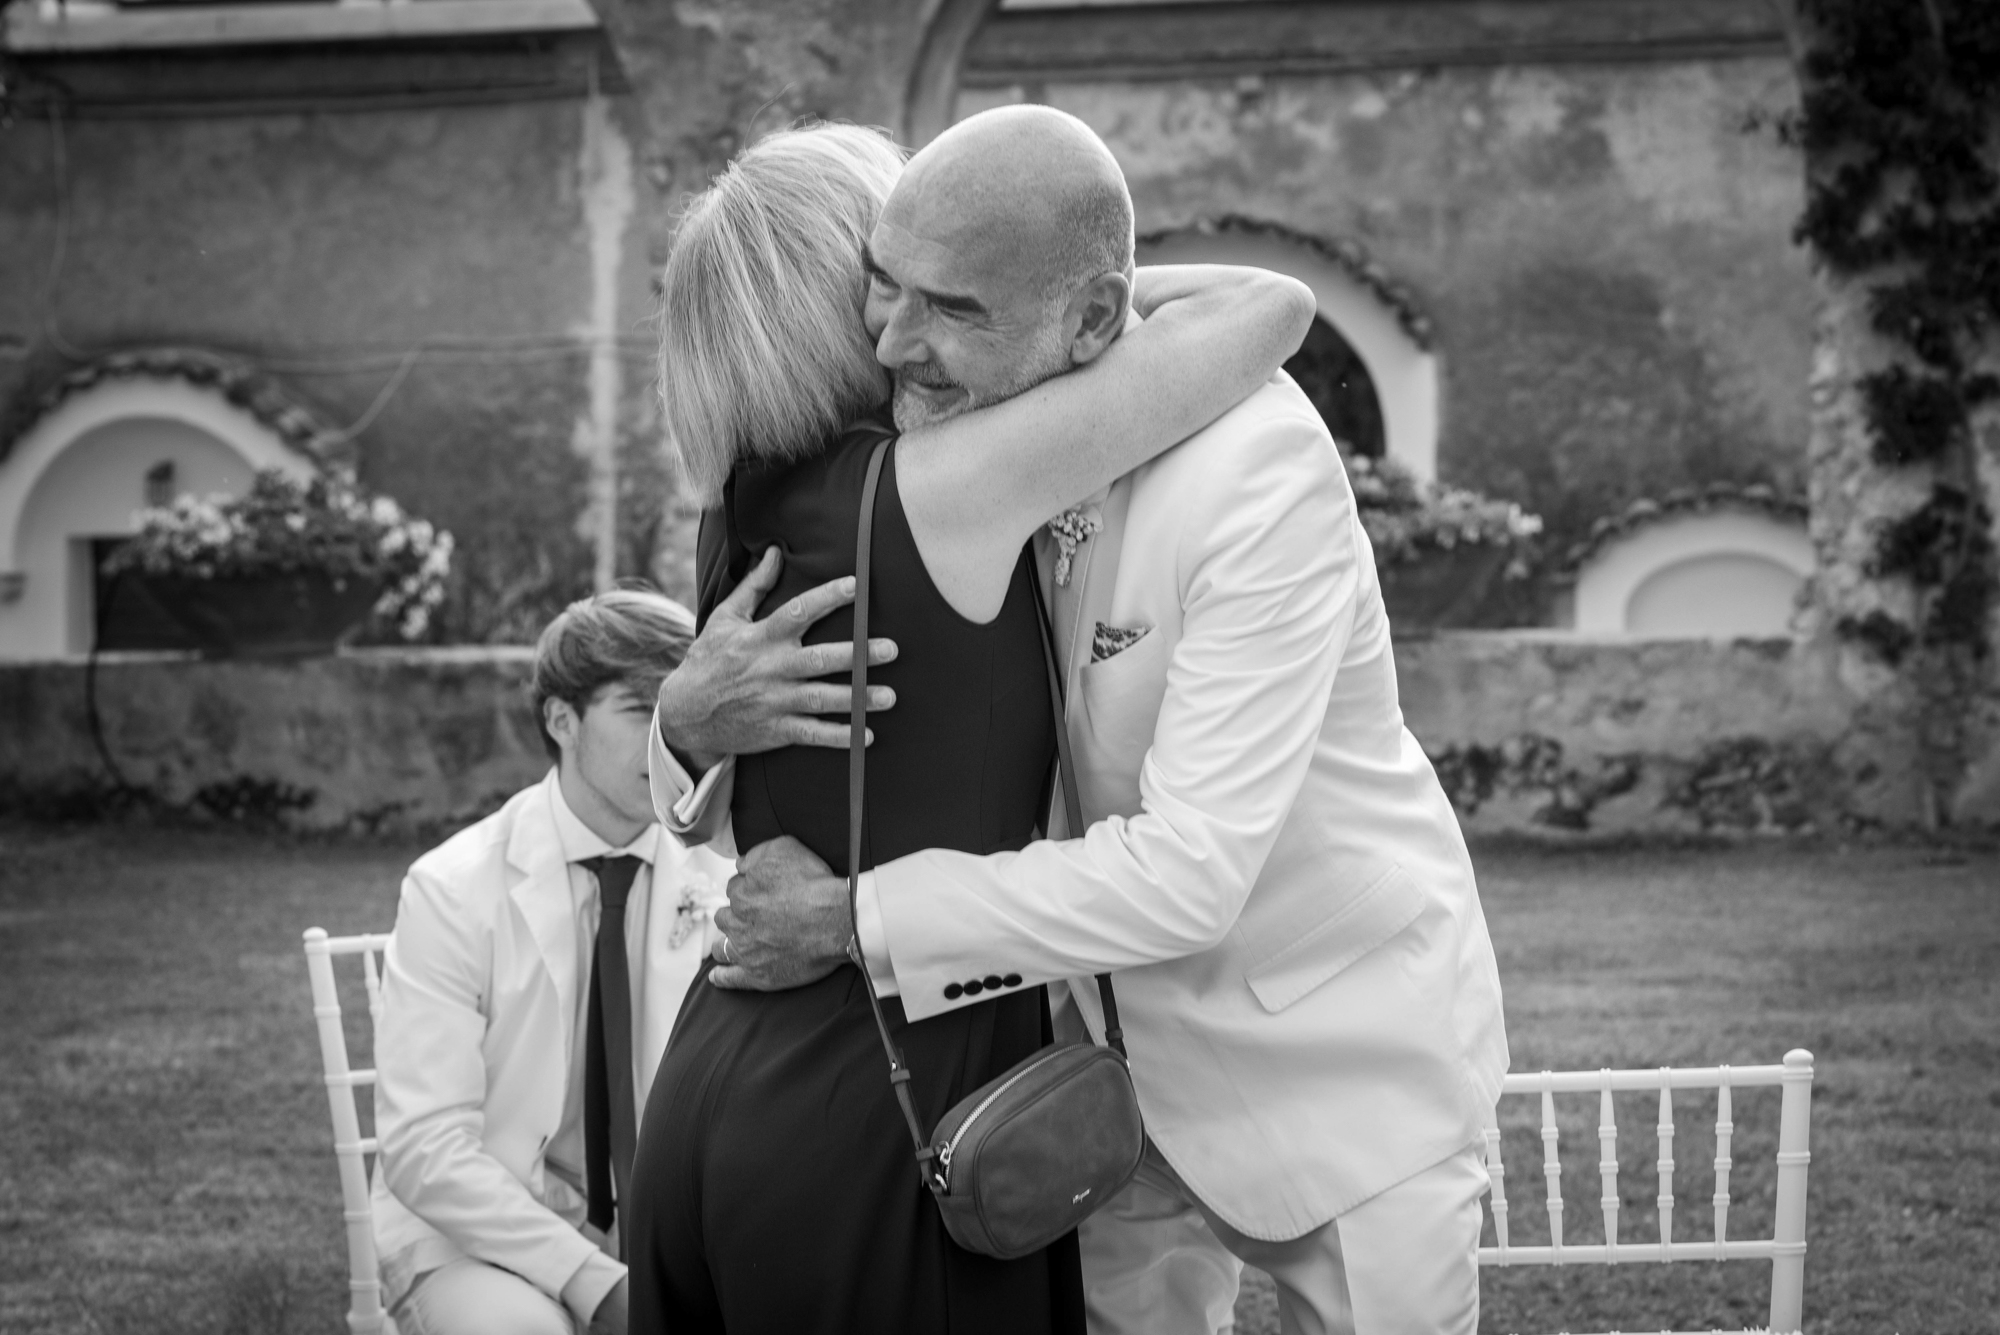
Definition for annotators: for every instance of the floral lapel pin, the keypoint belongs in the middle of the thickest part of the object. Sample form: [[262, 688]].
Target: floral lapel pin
[[689, 913], [1071, 529]]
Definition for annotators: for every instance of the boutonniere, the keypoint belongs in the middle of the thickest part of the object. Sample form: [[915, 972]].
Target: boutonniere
[[687, 914], [1071, 529]]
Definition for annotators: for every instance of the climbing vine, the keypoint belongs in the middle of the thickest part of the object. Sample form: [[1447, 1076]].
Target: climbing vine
[[1901, 113]]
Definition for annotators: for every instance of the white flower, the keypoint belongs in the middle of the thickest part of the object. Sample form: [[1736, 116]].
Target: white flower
[[1071, 529]]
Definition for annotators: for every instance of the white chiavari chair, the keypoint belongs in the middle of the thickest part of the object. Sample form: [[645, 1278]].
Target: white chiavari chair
[[343, 1085], [1785, 1249]]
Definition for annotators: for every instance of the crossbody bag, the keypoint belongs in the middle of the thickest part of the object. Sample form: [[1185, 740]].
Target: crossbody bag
[[1032, 1153]]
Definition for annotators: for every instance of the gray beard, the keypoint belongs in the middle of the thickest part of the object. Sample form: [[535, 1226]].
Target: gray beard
[[913, 410], [1044, 362]]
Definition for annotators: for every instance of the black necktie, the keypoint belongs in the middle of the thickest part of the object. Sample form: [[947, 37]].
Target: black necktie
[[610, 1123]]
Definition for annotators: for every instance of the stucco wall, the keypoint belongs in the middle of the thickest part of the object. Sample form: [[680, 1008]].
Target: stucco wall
[[1530, 733], [1604, 250], [500, 240]]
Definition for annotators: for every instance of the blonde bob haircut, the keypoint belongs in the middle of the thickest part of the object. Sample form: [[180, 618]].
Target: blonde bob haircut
[[762, 352]]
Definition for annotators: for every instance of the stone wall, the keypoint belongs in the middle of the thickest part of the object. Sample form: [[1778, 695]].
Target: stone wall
[[1530, 733], [1546, 732], [443, 247], [1599, 244], [1601, 249], [370, 740]]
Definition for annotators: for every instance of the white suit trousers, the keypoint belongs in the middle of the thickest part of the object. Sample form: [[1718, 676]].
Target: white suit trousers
[[1156, 1261], [468, 1297]]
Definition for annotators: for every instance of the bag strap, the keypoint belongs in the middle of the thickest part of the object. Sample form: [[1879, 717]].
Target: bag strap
[[857, 797], [1114, 1034]]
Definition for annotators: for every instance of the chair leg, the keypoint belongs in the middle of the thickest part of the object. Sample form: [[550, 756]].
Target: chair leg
[[1788, 1266]]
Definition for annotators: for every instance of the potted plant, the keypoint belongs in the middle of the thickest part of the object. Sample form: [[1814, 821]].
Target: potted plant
[[287, 569], [1438, 548]]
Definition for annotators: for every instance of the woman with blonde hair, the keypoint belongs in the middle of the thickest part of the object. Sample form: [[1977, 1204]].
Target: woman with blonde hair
[[773, 1190]]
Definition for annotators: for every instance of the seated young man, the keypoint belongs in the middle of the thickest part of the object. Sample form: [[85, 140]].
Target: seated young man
[[538, 963]]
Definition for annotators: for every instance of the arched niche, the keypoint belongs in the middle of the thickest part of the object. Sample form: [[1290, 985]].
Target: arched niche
[[1719, 574], [78, 474], [930, 101], [1375, 320]]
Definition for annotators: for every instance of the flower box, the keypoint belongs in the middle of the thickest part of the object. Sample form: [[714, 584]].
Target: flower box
[[288, 569], [1441, 588], [1440, 551], [293, 615]]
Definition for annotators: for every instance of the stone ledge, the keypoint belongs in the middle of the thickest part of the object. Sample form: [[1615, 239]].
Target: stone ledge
[[372, 739], [1530, 732]]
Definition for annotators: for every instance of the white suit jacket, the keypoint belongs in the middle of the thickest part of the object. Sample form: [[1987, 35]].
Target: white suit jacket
[[473, 1055], [1304, 976]]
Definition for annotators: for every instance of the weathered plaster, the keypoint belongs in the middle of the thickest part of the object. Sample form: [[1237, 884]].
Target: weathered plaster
[[1554, 732], [605, 168], [380, 739], [1604, 249], [1536, 733], [325, 246]]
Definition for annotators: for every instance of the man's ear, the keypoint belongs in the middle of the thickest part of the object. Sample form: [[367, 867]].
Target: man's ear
[[1099, 310], [560, 718]]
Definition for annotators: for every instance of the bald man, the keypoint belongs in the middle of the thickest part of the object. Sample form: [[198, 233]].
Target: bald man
[[1270, 867]]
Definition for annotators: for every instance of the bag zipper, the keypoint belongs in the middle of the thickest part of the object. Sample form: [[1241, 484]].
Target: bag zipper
[[951, 1146]]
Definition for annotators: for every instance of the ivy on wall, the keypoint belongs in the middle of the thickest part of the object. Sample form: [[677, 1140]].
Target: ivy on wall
[[1901, 103]]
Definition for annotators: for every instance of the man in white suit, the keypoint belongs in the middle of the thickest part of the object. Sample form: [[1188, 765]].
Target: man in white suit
[[503, 1145], [1271, 869]]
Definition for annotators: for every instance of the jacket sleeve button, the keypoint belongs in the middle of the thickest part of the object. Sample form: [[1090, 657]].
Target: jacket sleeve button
[[952, 991], [974, 988], [1012, 980], [992, 982]]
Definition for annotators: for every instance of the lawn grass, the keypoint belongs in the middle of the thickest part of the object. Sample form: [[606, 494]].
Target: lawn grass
[[166, 1165]]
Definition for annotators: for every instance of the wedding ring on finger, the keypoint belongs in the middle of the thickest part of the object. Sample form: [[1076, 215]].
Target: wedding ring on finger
[[723, 953]]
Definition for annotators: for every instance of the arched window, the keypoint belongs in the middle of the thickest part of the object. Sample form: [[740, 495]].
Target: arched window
[[1723, 563], [1335, 378], [1366, 364], [132, 431]]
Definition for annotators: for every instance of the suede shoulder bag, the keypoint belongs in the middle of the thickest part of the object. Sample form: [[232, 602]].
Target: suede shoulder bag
[[1035, 1151]]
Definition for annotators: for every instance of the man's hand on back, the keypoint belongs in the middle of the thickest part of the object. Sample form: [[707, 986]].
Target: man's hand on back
[[787, 921], [747, 685]]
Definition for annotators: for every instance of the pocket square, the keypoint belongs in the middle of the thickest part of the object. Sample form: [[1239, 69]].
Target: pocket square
[[1110, 641]]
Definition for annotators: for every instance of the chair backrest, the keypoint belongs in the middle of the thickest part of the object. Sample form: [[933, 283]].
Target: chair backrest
[[1785, 1249], [364, 1310]]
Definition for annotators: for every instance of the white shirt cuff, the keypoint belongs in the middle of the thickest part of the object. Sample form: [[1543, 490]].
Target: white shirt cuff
[[690, 810], [586, 1290], [874, 936]]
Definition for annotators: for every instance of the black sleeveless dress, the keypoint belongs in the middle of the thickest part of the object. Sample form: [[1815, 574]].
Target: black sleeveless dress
[[775, 1192]]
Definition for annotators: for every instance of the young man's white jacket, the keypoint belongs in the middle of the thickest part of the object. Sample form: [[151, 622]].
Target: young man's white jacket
[[480, 987], [1272, 871]]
